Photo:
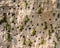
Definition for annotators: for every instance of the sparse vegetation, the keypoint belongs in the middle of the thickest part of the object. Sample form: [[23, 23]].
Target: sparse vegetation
[[40, 10], [3, 19], [49, 33], [29, 42], [26, 19], [26, 3], [33, 32], [8, 37], [42, 41], [45, 25], [54, 44], [12, 19], [57, 36], [23, 40], [21, 27], [7, 27], [52, 30]]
